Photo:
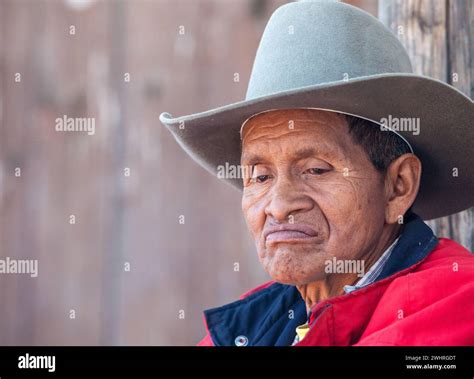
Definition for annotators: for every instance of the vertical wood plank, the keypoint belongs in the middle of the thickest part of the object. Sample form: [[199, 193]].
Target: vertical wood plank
[[460, 53], [438, 37]]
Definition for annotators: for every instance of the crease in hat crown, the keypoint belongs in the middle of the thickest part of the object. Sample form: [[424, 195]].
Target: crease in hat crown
[[314, 42]]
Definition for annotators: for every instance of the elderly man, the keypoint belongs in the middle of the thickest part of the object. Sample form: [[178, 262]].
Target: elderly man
[[334, 190]]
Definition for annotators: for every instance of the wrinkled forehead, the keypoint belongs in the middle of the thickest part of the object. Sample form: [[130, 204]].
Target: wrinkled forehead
[[295, 132], [288, 118]]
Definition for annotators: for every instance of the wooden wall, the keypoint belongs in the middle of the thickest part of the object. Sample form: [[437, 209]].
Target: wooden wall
[[120, 219], [439, 37]]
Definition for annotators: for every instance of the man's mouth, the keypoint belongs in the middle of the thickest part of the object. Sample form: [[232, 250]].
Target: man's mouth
[[289, 233]]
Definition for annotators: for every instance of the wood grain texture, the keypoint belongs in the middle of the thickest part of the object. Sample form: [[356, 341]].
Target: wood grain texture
[[438, 36], [135, 219], [120, 219]]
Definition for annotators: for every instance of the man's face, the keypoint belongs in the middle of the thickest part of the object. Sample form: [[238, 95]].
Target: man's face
[[313, 193]]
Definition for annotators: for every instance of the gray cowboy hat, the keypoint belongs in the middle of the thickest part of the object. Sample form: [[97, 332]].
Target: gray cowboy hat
[[333, 56]]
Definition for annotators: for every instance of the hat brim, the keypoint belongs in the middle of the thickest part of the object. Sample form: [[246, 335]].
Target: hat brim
[[444, 143]]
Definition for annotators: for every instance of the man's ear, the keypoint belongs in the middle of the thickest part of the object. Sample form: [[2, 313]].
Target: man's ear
[[402, 182]]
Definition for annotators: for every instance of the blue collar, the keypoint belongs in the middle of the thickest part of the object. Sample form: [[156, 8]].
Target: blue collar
[[269, 317]]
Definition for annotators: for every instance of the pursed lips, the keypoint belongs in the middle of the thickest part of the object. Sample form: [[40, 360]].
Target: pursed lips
[[289, 232]]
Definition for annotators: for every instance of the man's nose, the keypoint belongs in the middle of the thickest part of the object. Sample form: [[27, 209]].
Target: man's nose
[[285, 200]]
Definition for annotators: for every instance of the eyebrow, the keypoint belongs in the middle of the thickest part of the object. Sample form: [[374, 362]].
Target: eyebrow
[[252, 158], [306, 153]]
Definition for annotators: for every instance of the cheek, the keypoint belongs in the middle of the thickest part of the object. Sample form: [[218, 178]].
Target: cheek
[[254, 214], [354, 209]]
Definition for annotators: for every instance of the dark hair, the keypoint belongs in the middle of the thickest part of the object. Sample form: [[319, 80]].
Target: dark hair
[[381, 146]]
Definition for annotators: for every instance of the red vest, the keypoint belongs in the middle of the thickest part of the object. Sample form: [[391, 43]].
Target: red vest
[[429, 303]]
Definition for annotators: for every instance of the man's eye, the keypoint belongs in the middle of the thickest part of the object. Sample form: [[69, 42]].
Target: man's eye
[[316, 171], [260, 178]]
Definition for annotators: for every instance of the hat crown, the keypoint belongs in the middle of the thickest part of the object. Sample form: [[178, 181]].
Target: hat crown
[[314, 42]]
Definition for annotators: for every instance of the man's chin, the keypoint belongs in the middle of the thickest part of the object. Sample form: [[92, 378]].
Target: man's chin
[[285, 267], [294, 281], [293, 277]]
